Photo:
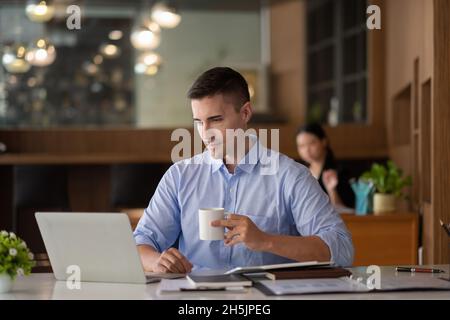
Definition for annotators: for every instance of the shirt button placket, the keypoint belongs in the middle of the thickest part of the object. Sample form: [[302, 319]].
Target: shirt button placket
[[232, 206]]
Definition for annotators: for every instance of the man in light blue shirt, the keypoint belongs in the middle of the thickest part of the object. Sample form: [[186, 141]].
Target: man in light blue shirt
[[279, 217]]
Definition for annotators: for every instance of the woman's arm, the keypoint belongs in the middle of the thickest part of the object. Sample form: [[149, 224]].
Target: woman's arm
[[330, 181]]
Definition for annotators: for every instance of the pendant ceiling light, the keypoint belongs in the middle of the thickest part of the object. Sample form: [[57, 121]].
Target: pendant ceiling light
[[147, 70], [148, 63], [146, 36], [41, 53], [115, 35], [13, 59], [90, 68], [39, 10], [149, 58], [109, 50], [165, 15]]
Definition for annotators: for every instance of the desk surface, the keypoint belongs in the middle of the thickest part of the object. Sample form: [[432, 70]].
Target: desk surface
[[43, 286]]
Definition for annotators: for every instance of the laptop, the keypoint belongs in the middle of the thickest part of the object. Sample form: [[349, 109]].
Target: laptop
[[100, 245]]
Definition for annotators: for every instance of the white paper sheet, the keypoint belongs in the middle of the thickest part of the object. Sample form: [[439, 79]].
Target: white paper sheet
[[174, 285]]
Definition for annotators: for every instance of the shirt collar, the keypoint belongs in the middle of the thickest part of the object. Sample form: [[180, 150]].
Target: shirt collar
[[215, 163], [247, 163]]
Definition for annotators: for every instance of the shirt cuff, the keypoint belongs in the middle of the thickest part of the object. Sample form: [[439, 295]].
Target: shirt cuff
[[341, 248], [141, 239]]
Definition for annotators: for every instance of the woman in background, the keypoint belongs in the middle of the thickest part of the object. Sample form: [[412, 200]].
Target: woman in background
[[314, 149]]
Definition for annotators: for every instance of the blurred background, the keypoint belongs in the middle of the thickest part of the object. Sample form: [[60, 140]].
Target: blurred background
[[91, 90], [121, 68]]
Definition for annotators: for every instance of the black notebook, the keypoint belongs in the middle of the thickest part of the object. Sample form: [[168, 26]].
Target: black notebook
[[218, 281]]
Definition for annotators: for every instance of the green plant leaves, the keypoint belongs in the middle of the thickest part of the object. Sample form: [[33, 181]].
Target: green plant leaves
[[387, 179], [15, 257]]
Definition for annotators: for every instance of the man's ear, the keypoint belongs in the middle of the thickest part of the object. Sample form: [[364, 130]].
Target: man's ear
[[246, 112]]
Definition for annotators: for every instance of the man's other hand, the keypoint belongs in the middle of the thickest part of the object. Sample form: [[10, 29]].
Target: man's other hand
[[172, 261]]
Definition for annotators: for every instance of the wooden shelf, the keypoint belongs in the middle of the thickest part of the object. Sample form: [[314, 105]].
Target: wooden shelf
[[37, 158]]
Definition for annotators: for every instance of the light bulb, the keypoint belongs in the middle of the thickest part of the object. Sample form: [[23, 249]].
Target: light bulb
[[41, 53], [98, 59], [110, 50], [115, 35], [146, 37], [153, 26], [142, 68], [39, 10], [31, 82], [165, 16], [148, 63], [151, 70], [149, 58], [13, 59], [90, 68]]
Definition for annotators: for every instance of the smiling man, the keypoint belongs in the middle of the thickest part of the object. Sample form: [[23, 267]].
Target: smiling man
[[275, 218]]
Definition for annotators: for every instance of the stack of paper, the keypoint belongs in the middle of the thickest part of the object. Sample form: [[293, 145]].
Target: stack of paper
[[218, 281]]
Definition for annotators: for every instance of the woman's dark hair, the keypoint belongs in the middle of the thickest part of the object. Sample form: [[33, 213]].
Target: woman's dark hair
[[221, 80], [313, 128], [317, 130]]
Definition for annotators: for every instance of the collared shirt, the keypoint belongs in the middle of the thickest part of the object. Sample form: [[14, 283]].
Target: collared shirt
[[287, 201]]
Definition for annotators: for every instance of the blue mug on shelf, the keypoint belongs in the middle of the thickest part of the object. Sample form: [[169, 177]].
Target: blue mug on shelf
[[363, 196]]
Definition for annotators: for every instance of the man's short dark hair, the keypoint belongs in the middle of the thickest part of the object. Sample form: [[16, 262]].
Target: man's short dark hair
[[221, 80]]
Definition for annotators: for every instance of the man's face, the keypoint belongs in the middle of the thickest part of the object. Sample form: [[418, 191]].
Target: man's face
[[213, 116]]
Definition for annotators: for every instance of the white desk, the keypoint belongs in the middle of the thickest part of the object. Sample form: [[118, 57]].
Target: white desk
[[43, 286]]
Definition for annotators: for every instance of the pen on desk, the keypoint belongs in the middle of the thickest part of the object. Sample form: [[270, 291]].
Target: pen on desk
[[213, 289], [422, 270], [446, 227], [202, 289]]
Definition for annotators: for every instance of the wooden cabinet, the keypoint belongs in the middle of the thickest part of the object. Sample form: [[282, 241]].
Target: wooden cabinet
[[384, 240]]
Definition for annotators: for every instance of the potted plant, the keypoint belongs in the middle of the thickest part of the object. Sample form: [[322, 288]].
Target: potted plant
[[389, 183], [15, 259]]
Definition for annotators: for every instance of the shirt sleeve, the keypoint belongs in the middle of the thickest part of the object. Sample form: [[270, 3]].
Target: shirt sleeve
[[314, 214], [159, 226]]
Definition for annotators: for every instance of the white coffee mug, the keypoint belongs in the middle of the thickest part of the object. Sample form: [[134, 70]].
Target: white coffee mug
[[205, 217]]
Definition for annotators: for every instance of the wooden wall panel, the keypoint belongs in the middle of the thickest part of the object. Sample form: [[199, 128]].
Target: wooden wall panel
[[425, 118], [85, 141], [411, 62], [428, 234], [89, 188], [288, 59], [440, 128], [401, 118]]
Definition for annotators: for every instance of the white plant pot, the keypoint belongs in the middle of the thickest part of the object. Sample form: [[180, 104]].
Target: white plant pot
[[5, 283], [383, 203]]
